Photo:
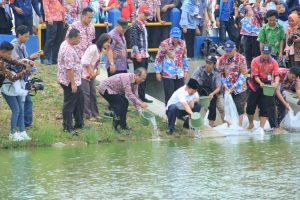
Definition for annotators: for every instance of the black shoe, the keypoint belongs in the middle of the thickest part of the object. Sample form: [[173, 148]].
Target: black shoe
[[186, 123], [128, 128], [170, 132], [116, 123], [147, 100], [109, 115], [71, 132], [79, 126]]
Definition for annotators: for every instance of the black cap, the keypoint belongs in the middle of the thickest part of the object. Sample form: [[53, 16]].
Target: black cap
[[267, 49], [211, 59], [123, 23], [295, 70], [193, 84]]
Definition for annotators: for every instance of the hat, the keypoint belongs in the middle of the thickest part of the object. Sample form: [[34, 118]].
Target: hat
[[193, 84], [267, 49], [123, 23], [229, 45], [211, 59], [175, 32], [295, 70], [144, 9]]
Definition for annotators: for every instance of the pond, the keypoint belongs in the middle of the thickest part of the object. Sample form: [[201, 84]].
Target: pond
[[224, 168]]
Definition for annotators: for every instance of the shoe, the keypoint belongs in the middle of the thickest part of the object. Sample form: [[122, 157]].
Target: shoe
[[71, 132], [109, 115], [116, 123], [46, 62], [126, 128], [15, 137], [79, 126], [24, 135], [186, 123], [147, 100], [170, 132]]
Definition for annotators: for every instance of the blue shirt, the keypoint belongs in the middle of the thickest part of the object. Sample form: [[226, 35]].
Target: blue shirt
[[227, 10], [26, 6]]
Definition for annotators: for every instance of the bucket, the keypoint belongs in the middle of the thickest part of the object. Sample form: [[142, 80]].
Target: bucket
[[196, 120], [146, 118], [269, 90], [205, 101]]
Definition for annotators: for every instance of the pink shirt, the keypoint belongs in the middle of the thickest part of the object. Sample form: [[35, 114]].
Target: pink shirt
[[68, 59], [54, 10], [90, 57], [87, 34]]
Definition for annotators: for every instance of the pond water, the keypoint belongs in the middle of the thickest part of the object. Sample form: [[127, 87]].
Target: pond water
[[225, 168]]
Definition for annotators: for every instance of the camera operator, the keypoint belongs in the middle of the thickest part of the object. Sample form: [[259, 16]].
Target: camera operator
[[20, 52], [12, 91]]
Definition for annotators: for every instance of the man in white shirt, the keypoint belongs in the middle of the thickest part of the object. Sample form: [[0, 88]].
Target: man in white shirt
[[184, 101]]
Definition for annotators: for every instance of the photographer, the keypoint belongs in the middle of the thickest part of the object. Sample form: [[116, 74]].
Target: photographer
[[20, 52], [13, 93]]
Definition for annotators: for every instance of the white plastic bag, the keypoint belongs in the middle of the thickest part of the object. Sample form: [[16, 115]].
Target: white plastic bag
[[231, 114], [206, 122], [291, 121]]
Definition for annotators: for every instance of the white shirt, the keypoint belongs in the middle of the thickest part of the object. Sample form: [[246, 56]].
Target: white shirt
[[180, 96]]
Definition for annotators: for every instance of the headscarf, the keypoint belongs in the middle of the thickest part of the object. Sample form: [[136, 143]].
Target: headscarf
[[294, 17]]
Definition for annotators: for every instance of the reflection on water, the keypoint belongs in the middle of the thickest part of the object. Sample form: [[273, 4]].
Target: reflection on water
[[224, 168]]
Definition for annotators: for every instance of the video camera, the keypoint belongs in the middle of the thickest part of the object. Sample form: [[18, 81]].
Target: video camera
[[34, 84]]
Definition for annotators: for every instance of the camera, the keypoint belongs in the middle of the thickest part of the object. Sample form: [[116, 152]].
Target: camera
[[294, 36], [35, 84]]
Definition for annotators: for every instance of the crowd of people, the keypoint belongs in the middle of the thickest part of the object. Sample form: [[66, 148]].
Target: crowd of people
[[261, 36]]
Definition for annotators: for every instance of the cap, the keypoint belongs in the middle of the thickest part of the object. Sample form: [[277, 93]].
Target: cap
[[144, 9], [229, 45], [175, 32], [193, 84], [267, 49], [211, 59], [123, 23]]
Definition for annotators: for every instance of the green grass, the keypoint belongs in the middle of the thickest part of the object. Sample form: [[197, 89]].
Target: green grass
[[47, 130]]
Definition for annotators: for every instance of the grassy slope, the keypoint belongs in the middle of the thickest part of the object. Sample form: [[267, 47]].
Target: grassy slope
[[47, 130]]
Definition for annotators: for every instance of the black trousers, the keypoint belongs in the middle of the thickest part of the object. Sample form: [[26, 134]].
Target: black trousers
[[228, 26], [170, 86], [119, 103], [142, 86], [54, 38], [73, 106], [117, 72], [251, 48], [189, 38], [26, 21], [280, 112]]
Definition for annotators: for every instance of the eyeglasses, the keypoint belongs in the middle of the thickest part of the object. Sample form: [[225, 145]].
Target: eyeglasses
[[176, 38]]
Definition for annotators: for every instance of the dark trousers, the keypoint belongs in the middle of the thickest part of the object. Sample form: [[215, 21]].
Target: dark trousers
[[117, 72], [212, 109], [73, 106], [189, 38], [90, 108], [228, 27], [119, 103], [142, 86], [280, 112], [5, 31], [173, 112], [28, 111], [251, 48], [54, 38], [27, 21], [170, 86], [157, 34]]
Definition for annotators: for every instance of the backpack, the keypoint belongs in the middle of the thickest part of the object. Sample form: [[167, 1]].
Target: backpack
[[208, 47]]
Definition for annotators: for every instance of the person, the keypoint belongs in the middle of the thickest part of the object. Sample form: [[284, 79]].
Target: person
[[90, 61], [139, 49], [289, 81], [184, 101], [5, 18], [23, 12], [209, 81], [170, 64], [272, 33], [69, 73], [293, 39], [117, 52], [165, 8], [54, 17], [233, 69], [126, 8], [189, 21], [264, 70], [292, 29], [20, 52], [71, 7], [117, 89], [224, 13], [87, 30], [251, 24], [13, 94]]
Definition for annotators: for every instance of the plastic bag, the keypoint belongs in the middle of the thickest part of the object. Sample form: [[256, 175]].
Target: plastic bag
[[206, 122], [231, 114], [291, 121]]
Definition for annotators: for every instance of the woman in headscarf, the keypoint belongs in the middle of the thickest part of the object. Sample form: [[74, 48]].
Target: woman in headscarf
[[293, 41]]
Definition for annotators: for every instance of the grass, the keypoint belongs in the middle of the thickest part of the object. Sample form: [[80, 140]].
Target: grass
[[47, 130]]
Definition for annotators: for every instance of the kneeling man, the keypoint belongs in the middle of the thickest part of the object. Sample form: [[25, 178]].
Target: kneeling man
[[184, 101]]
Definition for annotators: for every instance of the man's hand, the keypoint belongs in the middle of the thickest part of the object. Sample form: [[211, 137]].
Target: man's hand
[[164, 9], [280, 56], [144, 105], [274, 84], [158, 76], [74, 88], [185, 75], [211, 95], [35, 55], [184, 29], [50, 22], [162, 22], [218, 23], [297, 39], [19, 10], [287, 106], [41, 20], [112, 69], [261, 84]]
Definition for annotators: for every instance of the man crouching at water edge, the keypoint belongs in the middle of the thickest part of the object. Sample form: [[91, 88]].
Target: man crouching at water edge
[[69, 71], [184, 101], [116, 88]]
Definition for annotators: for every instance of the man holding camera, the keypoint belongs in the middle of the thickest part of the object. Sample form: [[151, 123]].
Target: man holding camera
[[20, 52]]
